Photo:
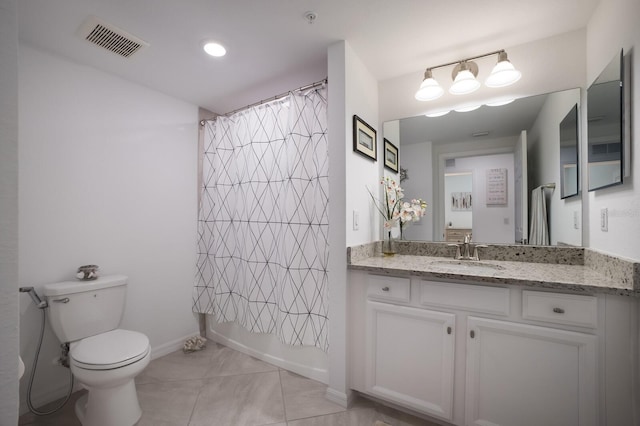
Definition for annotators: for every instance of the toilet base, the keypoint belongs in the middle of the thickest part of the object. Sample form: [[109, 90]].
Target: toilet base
[[115, 406]]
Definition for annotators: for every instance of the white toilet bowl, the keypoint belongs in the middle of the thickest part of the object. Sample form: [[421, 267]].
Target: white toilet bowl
[[106, 364], [102, 357]]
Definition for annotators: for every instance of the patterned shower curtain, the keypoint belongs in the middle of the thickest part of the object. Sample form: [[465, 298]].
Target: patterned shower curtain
[[264, 219]]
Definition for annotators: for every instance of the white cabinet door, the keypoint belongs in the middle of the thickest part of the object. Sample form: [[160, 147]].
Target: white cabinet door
[[524, 375], [409, 357]]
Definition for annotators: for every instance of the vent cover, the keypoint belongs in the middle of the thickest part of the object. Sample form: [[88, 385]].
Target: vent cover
[[110, 37], [450, 162]]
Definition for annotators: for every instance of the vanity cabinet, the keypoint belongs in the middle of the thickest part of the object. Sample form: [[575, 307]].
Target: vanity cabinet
[[526, 375], [455, 235], [489, 355], [409, 358]]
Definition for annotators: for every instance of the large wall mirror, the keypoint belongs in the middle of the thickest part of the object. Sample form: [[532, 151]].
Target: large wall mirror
[[569, 169], [604, 127], [504, 152]]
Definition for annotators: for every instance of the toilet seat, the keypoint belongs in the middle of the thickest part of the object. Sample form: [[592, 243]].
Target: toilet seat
[[110, 350]]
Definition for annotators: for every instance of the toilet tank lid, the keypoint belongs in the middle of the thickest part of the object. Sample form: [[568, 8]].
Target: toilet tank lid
[[79, 286]]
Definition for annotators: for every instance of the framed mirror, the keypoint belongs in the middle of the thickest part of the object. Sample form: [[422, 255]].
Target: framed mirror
[[569, 169], [605, 127]]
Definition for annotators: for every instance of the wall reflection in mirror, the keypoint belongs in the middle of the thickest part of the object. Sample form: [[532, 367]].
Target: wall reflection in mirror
[[604, 127], [504, 152], [569, 169]]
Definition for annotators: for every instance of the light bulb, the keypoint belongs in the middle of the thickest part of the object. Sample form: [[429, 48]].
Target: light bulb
[[214, 49], [429, 89], [464, 83], [503, 74]]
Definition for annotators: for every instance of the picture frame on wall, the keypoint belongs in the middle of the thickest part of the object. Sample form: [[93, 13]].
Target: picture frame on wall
[[391, 156], [364, 139]]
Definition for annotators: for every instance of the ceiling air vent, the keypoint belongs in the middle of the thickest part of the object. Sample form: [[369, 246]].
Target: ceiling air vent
[[110, 37]]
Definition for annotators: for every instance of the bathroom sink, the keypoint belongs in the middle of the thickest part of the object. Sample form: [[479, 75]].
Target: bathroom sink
[[467, 265]]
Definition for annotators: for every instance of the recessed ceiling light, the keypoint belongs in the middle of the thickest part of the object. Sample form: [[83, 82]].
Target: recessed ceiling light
[[214, 49]]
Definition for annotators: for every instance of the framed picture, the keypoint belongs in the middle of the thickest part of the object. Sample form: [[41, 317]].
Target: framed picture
[[364, 139], [390, 156], [461, 201]]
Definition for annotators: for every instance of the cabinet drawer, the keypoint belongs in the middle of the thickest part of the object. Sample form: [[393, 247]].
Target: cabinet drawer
[[477, 298], [570, 309], [389, 288]]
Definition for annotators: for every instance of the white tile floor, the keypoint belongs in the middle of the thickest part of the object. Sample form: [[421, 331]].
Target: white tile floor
[[222, 387]]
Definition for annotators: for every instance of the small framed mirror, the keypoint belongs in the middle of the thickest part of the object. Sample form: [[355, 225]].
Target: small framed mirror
[[605, 127], [569, 170]]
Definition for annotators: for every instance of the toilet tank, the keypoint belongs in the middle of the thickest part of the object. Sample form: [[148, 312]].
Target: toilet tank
[[79, 309]]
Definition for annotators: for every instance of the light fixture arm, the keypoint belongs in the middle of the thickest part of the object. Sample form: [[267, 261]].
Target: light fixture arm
[[500, 52]]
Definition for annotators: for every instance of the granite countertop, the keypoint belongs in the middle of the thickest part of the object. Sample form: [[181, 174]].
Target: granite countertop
[[588, 273]]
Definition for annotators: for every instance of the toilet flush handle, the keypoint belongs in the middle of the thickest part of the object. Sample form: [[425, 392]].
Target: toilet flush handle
[[65, 300]]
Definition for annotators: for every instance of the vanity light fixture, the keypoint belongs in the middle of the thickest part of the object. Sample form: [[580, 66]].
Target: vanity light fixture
[[467, 108], [214, 49], [500, 103], [437, 114], [504, 73], [464, 77], [429, 89]]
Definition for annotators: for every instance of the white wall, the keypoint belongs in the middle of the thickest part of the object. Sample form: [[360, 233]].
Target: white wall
[[361, 99], [416, 158], [614, 26], [544, 167], [352, 90], [107, 177], [491, 224], [8, 213]]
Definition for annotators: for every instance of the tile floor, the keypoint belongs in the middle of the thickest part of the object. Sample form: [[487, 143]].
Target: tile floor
[[219, 386]]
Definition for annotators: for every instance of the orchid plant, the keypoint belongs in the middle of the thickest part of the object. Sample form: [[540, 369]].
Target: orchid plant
[[394, 209]]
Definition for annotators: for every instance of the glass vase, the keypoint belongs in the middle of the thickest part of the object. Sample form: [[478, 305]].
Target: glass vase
[[388, 245]]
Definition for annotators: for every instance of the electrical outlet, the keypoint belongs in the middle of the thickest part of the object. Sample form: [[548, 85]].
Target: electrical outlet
[[356, 220], [576, 220], [604, 220]]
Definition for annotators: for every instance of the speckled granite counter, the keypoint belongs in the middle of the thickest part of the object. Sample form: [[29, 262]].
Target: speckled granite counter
[[567, 268]]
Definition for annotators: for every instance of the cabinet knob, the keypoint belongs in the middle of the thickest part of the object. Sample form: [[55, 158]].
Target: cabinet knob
[[448, 330], [558, 310], [385, 288], [472, 334]]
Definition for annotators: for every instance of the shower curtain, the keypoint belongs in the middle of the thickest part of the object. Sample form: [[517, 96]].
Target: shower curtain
[[264, 219], [539, 234]]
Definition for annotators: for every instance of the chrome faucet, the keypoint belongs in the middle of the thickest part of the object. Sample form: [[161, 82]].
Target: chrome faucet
[[465, 245], [465, 249]]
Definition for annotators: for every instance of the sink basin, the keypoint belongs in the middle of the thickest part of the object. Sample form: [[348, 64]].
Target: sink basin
[[467, 265]]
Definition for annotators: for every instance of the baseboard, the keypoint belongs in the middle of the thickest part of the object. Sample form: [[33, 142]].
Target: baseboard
[[318, 374], [172, 346], [340, 398]]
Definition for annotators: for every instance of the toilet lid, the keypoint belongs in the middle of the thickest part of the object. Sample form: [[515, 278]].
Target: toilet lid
[[113, 349]]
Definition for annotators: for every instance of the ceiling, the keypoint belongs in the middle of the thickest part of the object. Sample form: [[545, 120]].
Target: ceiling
[[501, 121], [272, 48]]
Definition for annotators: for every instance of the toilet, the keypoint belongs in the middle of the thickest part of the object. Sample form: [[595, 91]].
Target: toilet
[[103, 358]]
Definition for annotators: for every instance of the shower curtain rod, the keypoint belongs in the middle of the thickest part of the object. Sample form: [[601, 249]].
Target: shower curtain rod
[[271, 99]]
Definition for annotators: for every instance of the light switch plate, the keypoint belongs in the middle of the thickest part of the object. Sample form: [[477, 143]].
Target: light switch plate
[[356, 220], [604, 220]]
